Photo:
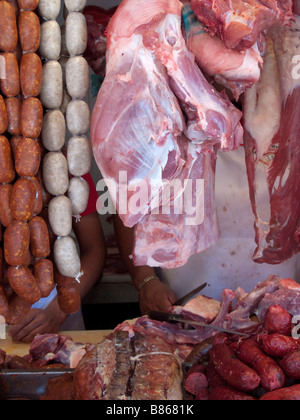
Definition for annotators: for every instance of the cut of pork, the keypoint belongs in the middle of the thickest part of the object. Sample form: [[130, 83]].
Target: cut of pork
[[272, 124], [153, 92], [239, 23], [235, 70]]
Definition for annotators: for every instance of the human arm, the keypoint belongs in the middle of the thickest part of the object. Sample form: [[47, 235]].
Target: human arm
[[90, 239], [155, 295]]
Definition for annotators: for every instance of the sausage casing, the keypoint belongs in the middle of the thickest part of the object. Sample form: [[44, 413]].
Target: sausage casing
[[24, 284], [55, 173], [28, 4], [8, 27], [10, 86], [7, 170], [52, 87], [27, 157], [16, 244], [31, 117], [5, 196], [66, 257], [44, 275], [3, 116], [29, 31], [39, 238], [31, 75], [23, 196], [13, 109]]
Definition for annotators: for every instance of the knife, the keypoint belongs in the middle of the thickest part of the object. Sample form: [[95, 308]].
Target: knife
[[190, 295], [166, 317]]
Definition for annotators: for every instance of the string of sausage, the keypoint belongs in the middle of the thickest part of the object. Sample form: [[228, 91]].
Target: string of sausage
[[26, 238]]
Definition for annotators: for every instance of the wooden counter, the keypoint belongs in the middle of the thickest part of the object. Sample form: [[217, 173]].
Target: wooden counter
[[20, 349]]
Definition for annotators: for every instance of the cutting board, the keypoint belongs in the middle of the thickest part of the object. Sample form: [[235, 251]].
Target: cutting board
[[21, 349]]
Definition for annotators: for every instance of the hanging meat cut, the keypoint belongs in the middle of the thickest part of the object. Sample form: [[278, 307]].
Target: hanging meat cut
[[236, 70], [271, 114], [152, 94], [239, 23]]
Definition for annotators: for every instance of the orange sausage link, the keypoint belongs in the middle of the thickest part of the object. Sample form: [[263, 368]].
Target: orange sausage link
[[8, 27], [24, 284], [31, 75], [7, 170], [4, 306], [5, 196], [3, 116], [27, 157], [28, 4], [29, 31], [23, 196], [16, 244], [31, 117], [44, 275], [39, 238], [10, 86], [68, 294], [13, 109], [39, 203]]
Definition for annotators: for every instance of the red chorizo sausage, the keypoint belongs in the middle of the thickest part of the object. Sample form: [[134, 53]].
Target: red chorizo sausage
[[278, 320], [7, 170], [284, 394], [13, 109], [232, 370], [291, 364], [39, 238], [27, 157], [5, 196], [29, 31], [278, 345], [271, 374], [44, 275], [227, 393], [31, 75], [16, 244], [24, 284], [3, 116], [69, 298], [8, 27], [23, 196], [38, 207], [10, 86], [31, 117]]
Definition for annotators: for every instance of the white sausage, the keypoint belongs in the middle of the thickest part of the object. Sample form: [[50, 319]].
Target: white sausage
[[49, 9], [52, 87], [78, 193], [78, 117], [77, 77], [76, 34], [54, 130], [66, 257], [55, 173], [60, 215], [75, 5], [50, 44], [79, 156]]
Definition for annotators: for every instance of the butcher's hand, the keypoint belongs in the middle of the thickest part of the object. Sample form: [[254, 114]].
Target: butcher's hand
[[39, 321], [156, 296]]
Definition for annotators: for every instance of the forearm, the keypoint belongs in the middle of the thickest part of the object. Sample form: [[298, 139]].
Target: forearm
[[125, 240], [92, 262]]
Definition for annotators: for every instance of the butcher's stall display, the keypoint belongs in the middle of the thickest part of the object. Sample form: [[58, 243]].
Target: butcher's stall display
[[146, 359]]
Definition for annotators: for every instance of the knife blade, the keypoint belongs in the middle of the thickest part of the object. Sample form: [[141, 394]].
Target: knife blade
[[190, 295], [166, 317]]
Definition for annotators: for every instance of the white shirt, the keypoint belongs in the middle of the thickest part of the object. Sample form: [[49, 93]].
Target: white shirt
[[229, 263]]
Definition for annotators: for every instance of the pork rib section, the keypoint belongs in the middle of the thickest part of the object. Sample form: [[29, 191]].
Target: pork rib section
[[235, 70], [152, 94], [239, 23], [272, 124]]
